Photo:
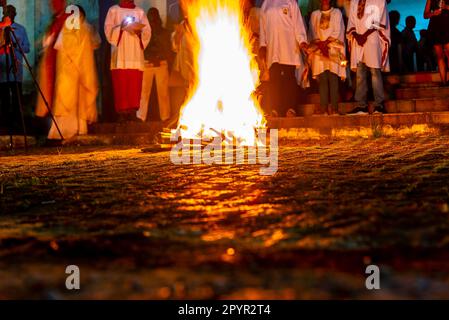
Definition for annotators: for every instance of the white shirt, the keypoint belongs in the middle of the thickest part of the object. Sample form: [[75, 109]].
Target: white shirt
[[128, 54], [336, 31], [375, 51], [282, 30]]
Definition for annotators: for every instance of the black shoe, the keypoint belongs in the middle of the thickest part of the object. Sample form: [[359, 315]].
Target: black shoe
[[358, 110], [380, 109], [132, 117], [53, 143], [122, 117]]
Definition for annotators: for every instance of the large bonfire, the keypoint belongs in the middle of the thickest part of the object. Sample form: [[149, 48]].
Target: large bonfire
[[222, 101]]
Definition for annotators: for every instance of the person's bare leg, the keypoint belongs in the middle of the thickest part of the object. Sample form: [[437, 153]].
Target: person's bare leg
[[446, 57], [439, 51]]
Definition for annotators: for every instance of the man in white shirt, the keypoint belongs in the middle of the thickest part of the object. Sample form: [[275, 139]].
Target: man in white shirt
[[127, 55], [282, 36], [368, 35]]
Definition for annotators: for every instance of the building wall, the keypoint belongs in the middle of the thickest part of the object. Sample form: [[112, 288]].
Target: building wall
[[411, 8], [160, 4]]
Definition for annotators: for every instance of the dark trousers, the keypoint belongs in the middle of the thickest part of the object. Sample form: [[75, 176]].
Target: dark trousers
[[283, 88], [409, 62], [328, 82], [9, 104]]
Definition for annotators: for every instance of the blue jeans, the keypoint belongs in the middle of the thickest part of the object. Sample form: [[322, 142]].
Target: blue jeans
[[361, 93]]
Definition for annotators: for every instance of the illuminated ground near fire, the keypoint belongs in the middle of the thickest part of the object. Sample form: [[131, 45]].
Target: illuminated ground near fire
[[140, 227]]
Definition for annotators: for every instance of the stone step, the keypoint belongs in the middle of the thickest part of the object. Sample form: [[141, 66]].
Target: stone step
[[313, 98], [417, 105], [18, 142], [391, 106], [420, 121], [127, 139], [422, 92], [418, 85], [419, 77], [126, 128], [362, 121]]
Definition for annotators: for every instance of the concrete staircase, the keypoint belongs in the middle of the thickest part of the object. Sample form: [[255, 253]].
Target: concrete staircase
[[420, 92], [416, 99]]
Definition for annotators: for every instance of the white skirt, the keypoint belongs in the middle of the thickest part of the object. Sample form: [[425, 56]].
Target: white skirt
[[70, 127]]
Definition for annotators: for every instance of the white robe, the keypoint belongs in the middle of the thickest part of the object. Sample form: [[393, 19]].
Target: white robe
[[282, 30], [76, 84], [128, 54], [375, 51], [335, 31]]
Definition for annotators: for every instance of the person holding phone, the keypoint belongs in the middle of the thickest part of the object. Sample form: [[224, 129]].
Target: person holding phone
[[128, 31]]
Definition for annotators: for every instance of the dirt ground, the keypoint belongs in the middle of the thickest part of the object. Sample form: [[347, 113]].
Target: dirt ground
[[140, 227]]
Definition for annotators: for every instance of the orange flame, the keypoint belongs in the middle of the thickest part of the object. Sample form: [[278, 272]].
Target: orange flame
[[221, 101]]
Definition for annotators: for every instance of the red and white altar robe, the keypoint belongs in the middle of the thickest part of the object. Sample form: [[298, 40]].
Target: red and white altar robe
[[127, 56]]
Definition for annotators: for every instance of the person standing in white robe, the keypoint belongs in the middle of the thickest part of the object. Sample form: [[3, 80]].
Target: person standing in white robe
[[76, 85], [327, 53], [127, 55], [369, 41], [282, 36]]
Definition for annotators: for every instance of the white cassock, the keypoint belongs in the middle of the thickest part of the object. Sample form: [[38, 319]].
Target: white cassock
[[375, 51], [334, 30], [76, 84], [282, 30], [128, 54]]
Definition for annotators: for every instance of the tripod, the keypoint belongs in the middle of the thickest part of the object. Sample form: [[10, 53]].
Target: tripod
[[11, 44]]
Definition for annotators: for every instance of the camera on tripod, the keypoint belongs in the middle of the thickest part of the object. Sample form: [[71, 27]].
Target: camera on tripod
[[6, 22], [12, 49]]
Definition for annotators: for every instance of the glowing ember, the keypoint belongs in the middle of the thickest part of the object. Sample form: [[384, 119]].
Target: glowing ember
[[221, 101]]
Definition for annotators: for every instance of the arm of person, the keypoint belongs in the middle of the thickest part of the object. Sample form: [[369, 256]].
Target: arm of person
[[24, 41], [338, 30], [176, 37], [95, 38], [351, 31], [428, 13], [383, 28], [299, 26], [384, 23], [312, 34], [111, 31], [263, 37], [314, 38], [146, 33]]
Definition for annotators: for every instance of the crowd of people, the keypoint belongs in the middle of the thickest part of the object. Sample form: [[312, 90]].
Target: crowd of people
[[342, 44]]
